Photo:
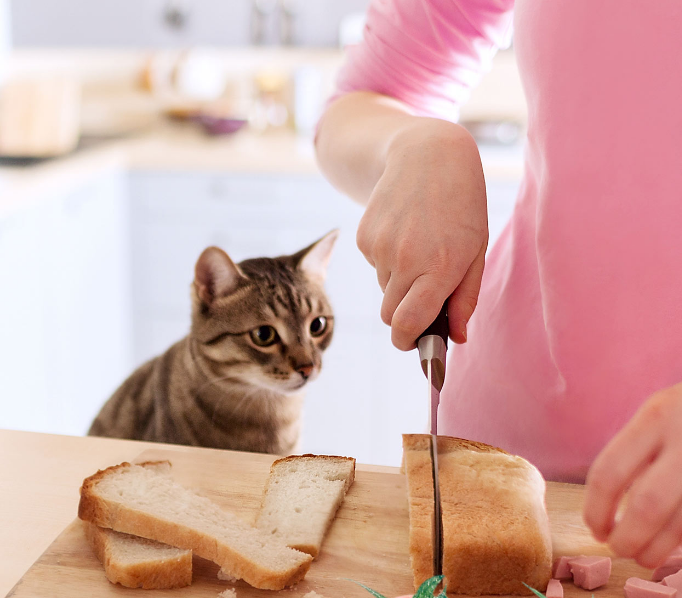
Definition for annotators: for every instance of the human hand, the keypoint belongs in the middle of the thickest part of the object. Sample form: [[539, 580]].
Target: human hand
[[425, 229], [646, 457]]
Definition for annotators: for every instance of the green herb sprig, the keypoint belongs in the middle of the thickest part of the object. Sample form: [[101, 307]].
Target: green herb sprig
[[425, 590], [538, 594]]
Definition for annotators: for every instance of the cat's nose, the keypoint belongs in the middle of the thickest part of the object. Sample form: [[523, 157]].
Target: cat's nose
[[305, 370]]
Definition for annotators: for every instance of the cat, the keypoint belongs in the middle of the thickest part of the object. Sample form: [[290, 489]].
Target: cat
[[258, 332]]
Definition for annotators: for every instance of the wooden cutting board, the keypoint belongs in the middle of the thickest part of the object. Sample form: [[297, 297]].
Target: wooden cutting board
[[367, 542]]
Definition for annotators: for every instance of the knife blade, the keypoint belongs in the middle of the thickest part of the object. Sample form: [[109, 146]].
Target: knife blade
[[432, 345]]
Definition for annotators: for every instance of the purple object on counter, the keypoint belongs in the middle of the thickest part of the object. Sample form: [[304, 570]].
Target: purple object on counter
[[641, 588], [590, 572], [215, 125]]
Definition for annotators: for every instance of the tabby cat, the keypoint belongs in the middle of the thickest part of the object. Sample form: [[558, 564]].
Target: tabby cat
[[235, 382]]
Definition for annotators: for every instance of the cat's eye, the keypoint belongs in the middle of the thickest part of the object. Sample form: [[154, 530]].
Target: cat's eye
[[264, 336], [318, 326]]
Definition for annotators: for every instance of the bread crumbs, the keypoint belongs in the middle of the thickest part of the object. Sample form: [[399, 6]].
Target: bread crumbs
[[222, 576]]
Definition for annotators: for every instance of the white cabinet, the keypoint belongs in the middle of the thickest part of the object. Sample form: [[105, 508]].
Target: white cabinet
[[23, 381], [97, 280], [176, 216], [65, 309], [368, 392]]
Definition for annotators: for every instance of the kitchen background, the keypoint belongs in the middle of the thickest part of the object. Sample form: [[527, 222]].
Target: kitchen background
[[133, 134]]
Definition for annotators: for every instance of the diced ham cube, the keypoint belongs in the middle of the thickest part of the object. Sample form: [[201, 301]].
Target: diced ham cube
[[674, 581], [554, 589], [590, 572], [641, 588], [562, 568], [672, 565]]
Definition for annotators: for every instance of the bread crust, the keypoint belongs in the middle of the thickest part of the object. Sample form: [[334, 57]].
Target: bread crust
[[450, 444], [495, 525], [98, 510], [161, 574]]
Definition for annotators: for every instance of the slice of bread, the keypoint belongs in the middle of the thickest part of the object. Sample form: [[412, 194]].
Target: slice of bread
[[140, 500], [417, 468], [495, 527], [301, 498], [137, 562]]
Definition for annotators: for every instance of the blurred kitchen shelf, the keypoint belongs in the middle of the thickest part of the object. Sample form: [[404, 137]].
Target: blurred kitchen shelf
[[85, 143]]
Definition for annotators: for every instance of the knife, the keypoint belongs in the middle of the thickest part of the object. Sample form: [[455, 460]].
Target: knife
[[432, 345]]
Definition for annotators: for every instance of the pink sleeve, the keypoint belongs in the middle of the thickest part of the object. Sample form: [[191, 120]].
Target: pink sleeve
[[427, 53]]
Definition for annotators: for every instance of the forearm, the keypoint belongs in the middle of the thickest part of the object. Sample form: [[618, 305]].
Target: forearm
[[425, 224], [354, 137]]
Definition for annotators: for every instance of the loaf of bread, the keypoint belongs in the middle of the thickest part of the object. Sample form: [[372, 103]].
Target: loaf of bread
[[136, 562], [301, 498], [141, 500], [496, 532]]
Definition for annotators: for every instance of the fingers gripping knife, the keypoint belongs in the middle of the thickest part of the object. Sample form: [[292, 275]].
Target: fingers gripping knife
[[433, 345]]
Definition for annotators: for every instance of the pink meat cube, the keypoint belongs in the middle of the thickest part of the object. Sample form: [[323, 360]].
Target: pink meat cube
[[672, 565], [562, 568], [674, 581], [590, 572], [554, 589], [641, 588]]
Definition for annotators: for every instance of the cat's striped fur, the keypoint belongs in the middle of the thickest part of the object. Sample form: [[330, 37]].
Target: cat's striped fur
[[258, 332]]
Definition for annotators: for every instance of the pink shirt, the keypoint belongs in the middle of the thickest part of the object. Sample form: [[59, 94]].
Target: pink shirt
[[580, 312]]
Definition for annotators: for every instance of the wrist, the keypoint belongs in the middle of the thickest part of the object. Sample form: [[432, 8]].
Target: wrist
[[438, 137]]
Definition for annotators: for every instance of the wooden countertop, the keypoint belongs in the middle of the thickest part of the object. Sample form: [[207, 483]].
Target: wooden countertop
[[41, 474], [173, 148], [162, 148], [39, 480]]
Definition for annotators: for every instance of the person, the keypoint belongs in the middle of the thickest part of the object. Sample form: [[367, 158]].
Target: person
[[573, 357]]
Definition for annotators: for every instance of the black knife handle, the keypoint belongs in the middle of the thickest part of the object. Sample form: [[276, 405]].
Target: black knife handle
[[439, 326]]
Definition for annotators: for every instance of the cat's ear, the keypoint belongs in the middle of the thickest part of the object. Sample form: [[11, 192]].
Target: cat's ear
[[314, 259], [216, 275]]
